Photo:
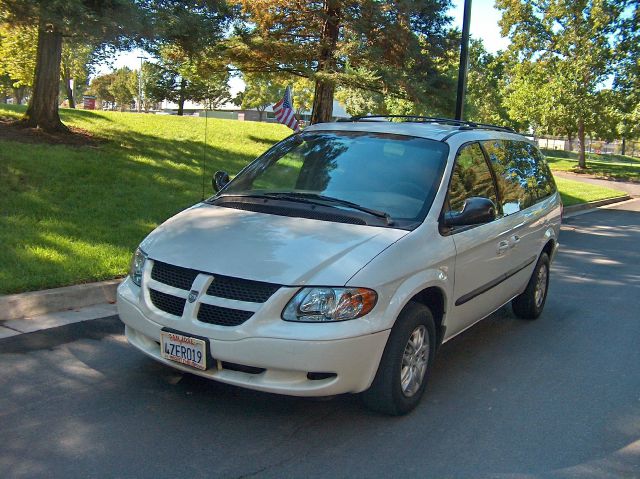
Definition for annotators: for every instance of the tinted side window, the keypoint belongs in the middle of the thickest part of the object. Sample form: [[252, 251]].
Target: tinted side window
[[544, 179], [470, 177], [516, 171]]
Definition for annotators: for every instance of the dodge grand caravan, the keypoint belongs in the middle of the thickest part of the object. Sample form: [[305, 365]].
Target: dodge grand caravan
[[343, 257]]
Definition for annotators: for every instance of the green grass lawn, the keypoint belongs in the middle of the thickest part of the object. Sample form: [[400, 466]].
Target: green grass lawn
[[72, 214], [607, 166], [574, 192]]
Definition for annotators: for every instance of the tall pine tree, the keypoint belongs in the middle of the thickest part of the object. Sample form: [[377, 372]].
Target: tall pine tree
[[387, 46]]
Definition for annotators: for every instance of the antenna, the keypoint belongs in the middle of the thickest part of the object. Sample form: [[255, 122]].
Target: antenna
[[204, 149]]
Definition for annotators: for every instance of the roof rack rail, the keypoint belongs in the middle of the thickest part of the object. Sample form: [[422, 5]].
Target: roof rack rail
[[464, 125]]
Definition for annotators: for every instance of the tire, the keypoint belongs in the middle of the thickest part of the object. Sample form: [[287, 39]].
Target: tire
[[530, 303], [388, 393]]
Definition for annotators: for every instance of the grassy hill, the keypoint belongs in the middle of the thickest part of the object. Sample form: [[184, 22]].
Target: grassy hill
[[75, 213], [72, 214]]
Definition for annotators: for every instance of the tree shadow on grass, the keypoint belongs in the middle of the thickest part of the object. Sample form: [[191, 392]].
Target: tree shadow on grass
[[78, 204], [262, 141]]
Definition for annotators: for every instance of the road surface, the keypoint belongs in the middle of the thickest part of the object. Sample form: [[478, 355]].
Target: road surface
[[558, 397]]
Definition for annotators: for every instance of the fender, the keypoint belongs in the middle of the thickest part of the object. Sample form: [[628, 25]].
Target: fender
[[432, 277]]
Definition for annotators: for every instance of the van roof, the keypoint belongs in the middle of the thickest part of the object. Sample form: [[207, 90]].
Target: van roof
[[438, 129]]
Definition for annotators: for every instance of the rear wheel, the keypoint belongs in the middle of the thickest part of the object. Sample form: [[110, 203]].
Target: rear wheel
[[530, 303], [406, 362]]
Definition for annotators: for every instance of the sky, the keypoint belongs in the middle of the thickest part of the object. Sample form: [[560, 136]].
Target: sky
[[484, 25]]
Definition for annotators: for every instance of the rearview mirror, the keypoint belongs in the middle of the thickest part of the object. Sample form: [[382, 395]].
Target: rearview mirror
[[476, 210], [219, 180]]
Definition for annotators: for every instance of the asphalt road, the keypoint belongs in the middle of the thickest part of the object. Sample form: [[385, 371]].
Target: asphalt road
[[558, 397]]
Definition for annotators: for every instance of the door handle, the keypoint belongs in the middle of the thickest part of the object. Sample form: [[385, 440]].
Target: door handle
[[503, 246], [515, 239]]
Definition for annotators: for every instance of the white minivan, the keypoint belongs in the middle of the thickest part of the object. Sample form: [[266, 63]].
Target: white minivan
[[343, 257]]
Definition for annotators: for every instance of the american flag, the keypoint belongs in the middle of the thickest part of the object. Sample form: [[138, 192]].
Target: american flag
[[284, 111]]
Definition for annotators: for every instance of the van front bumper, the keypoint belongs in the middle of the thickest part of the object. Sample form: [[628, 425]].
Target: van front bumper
[[284, 366]]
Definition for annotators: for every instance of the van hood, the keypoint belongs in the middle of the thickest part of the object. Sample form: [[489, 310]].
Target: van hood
[[263, 247]]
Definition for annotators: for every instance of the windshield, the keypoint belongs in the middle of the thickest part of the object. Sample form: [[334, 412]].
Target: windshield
[[393, 175]]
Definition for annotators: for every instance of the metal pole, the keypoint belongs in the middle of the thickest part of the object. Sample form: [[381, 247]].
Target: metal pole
[[464, 60], [140, 86]]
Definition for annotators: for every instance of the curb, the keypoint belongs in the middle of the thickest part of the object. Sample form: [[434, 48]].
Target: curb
[[595, 204], [35, 303]]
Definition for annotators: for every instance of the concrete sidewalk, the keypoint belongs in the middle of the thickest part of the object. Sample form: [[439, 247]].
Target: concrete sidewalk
[[13, 327]]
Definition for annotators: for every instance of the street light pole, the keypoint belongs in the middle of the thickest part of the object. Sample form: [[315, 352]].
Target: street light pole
[[464, 60], [140, 85]]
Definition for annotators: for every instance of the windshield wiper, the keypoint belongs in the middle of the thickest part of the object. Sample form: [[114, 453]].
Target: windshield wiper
[[312, 197], [316, 199]]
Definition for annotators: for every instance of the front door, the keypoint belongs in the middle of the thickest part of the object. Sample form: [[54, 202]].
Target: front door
[[482, 251]]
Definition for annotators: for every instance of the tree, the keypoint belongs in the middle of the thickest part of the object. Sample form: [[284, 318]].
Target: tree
[[17, 58], [534, 96], [569, 43], [100, 87], [627, 77], [486, 82], [123, 87], [302, 94], [261, 91], [360, 102], [74, 65], [389, 47], [179, 76], [91, 21], [186, 43], [157, 83], [211, 90]]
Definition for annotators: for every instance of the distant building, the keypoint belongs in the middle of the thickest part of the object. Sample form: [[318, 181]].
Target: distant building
[[553, 144], [234, 112]]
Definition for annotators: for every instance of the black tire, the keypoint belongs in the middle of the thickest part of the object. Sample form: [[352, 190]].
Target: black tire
[[528, 305], [386, 393]]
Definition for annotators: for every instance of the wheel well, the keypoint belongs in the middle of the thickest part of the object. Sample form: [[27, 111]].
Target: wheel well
[[548, 248], [433, 298]]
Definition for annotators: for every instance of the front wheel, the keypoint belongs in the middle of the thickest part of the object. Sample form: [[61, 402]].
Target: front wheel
[[530, 303], [406, 362]]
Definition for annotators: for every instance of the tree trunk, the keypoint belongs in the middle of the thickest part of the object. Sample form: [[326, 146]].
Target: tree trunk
[[570, 136], [18, 94], [66, 78], [181, 98], [624, 146], [42, 111], [322, 110], [261, 113], [582, 164]]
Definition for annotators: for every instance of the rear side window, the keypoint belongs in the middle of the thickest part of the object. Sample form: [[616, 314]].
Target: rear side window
[[544, 179], [522, 175], [470, 177]]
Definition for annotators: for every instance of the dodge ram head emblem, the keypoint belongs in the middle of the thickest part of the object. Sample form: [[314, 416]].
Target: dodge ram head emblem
[[193, 294]]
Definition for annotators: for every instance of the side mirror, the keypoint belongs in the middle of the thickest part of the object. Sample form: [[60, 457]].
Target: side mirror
[[476, 211], [219, 180]]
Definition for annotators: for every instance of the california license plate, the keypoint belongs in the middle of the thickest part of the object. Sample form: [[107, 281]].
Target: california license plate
[[183, 349]]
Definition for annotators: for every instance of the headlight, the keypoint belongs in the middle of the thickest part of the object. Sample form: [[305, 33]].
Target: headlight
[[137, 266], [329, 304]]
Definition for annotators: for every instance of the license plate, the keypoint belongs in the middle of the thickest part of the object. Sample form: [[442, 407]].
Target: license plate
[[183, 349]]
